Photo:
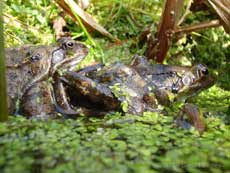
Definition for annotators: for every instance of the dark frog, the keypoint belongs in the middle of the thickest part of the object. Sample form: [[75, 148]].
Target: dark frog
[[137, 87], [32, 76]]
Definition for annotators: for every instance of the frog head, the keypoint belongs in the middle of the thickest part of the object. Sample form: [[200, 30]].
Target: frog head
[[44, 61], [192, 81], [68, 54]]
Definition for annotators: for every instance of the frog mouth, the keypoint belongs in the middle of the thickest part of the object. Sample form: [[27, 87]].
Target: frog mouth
[[196, 87], [68, 63]]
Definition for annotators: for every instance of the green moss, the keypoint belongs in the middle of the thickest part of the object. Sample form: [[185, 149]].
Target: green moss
[[128, 147], [116, 143]]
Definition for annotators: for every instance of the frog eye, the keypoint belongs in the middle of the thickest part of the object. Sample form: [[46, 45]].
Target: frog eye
[[202, 70], [68, 44], [36, 57], [205, 72]]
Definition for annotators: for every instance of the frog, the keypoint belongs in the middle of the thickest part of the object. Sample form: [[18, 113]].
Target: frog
[[138, 87], [33, 76]]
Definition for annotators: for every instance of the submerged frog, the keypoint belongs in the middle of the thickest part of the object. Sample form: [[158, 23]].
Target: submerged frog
[[32, 76], [138, 87]]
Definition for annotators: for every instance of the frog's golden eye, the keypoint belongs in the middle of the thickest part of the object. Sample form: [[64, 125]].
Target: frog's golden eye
[[36, 57]]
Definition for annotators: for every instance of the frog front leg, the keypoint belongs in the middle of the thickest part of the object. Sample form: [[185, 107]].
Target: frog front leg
[[38, 102], [45, 100], [96, 93], [90, 69], [61, 99], [194, 116], [191, 111], [63, 105]]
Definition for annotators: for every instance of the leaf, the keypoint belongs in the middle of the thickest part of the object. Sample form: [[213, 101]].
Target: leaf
[[72, 8], [222, 9]]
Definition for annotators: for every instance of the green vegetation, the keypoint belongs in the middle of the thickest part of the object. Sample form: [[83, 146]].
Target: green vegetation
[[150, 144], [116, 143]]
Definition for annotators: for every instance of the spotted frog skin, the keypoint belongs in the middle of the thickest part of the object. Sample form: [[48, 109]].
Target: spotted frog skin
[[137, 87], [32, 76]]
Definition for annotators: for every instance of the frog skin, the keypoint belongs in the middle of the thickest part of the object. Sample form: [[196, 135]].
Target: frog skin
[[138, 87], [32, 76]]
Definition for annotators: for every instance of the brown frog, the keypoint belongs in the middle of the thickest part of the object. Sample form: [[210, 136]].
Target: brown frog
[[32, 76], [138, 87]]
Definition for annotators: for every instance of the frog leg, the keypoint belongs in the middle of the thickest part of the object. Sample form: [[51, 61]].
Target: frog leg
[[162, 97], [135, 106], [151, 103], [61, 102], [40, 102], [90, 69], [194, 116], [62, 106], [37, 102], [96, 92], [72, 113]]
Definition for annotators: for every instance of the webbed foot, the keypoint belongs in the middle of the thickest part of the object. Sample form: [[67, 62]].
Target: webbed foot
[[194, 116]]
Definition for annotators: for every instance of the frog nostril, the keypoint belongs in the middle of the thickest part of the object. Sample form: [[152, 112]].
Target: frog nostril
[[35, 58], [174, 89], [64, 46]]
